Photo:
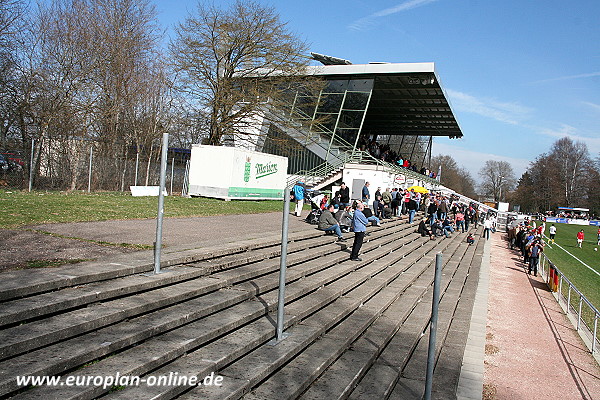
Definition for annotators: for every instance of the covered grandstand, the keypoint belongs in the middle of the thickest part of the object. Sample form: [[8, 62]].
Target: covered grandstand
[[399, 106]]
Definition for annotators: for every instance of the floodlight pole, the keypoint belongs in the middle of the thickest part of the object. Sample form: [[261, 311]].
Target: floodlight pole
[[433, 325], [282, 267], [161, 203]]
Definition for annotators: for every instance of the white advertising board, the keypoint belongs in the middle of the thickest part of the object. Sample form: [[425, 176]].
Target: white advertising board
[[137, 191], [234, 173]]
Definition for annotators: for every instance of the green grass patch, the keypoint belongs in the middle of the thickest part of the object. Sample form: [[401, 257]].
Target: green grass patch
[[586, 281], [21, 208]]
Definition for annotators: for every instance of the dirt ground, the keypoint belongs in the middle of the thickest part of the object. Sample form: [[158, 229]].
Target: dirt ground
[[20, 246], [82, 240]]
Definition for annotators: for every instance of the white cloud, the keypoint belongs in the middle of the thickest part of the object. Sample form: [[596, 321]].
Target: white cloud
[[595, 107], [568, 77], [473, 161], [510, 113], [367, 22], [564, 130]]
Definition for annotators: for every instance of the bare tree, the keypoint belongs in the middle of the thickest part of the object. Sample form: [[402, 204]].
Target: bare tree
[[498, 179], [453, 176], [572, 162], [11, 23], [218, 54], [565, 176]]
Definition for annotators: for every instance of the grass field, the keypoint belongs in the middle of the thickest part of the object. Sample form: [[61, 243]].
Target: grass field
[[584, 278], [21, 208]]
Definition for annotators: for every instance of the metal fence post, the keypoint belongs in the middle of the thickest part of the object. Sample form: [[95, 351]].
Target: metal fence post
[[90, 169], [282, 267], [172, 174], [137, 165], [579, 313], [595, 333], [31, 164], [161, 203], [433, 325]]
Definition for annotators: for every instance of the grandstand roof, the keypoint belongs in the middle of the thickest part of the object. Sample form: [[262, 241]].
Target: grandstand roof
[[407, 98]]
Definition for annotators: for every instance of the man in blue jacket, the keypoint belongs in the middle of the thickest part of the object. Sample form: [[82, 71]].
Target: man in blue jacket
[[366, 195], [299, 191], [359, 226]]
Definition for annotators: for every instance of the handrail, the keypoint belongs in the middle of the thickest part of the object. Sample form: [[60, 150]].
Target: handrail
[[345, 153], [592, 330]]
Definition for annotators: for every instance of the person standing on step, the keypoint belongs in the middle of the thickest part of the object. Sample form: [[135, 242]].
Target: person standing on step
[[366, 195], [359, 226], [487, 227], [299, 192], [344, 195]]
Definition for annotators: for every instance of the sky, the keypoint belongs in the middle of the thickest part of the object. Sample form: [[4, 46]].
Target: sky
[[519, 75]]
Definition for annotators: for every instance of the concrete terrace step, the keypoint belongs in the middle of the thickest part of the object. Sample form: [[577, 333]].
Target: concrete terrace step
[[327, 274], [386, 378], [324, 319], [32, 307], [295, 377], [217, 315], [22, 283], [128, 336], [26, 337]]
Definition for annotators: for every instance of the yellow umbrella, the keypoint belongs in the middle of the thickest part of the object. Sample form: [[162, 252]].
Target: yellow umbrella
[[419, 189]]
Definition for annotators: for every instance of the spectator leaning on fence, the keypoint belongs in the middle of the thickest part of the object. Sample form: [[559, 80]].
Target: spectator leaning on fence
[[534, 256]]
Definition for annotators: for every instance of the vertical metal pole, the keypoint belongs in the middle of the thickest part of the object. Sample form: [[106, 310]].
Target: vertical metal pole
[[362, 120], [560, 286], [283, 264], [172, 174], [595, 333], [137, 164], [31, 164], [186, 179], [90, 169], [161, 203], [433, 325], [579, 312]]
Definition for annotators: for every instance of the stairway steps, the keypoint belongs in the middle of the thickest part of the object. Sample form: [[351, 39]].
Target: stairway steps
[[273, 278], [36, 334], [342, 317], [379, 297], [124, 265], [25, 309], [341, 377]]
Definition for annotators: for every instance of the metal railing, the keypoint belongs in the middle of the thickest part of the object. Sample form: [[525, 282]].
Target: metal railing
[[341, 152], [573, 302]]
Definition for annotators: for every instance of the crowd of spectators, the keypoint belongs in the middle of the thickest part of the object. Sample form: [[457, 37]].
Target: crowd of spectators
[[443, 215], [527, 238], [385, 153], [571, 215]]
